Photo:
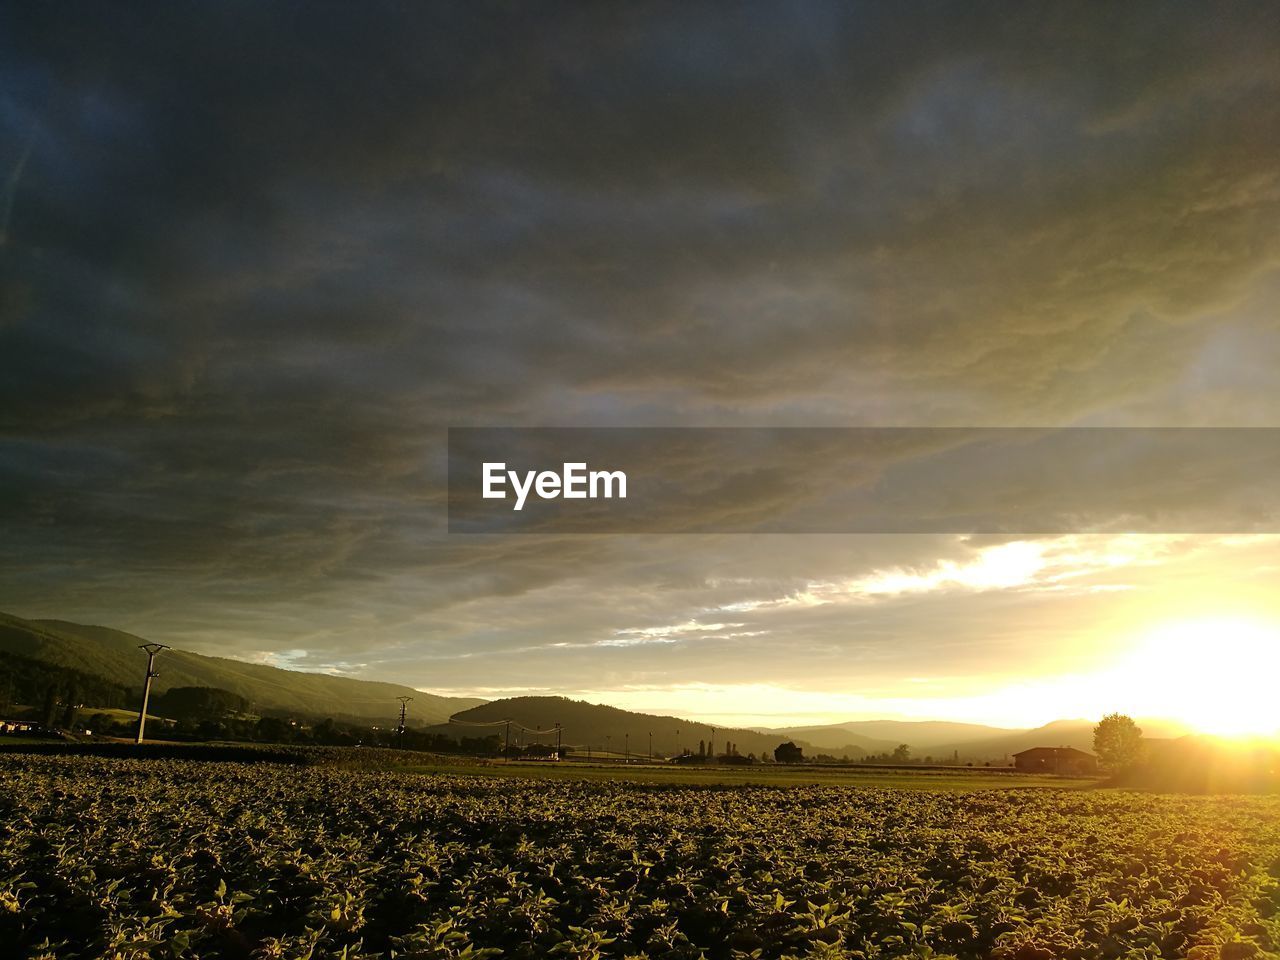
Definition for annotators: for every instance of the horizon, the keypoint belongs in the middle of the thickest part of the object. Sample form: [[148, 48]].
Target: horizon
[[642, 702], [261, 270]]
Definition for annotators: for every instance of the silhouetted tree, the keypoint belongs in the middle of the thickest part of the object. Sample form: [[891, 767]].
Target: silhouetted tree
[[788, 753], [901, 753], [1117, 741]]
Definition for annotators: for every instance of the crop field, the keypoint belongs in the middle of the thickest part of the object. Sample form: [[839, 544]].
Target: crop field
[[922, 778], [103, 857]]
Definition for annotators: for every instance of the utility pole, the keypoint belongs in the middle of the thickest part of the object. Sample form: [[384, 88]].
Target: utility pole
[[679, 749], [711, 744], [152, 649], [558, 749], [651, 746], [404, 706], [506, 742], [626, 747]]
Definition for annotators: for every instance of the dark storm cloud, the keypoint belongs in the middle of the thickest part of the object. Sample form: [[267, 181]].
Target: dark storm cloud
[[256, 257]]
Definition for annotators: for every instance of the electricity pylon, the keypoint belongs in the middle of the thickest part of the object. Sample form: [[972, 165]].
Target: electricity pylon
[[152, 649], [404, 706]]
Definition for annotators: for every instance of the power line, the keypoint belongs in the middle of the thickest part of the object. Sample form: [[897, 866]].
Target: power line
[[504, 723]]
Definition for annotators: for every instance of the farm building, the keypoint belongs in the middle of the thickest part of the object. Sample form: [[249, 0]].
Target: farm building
[[1066, 760]]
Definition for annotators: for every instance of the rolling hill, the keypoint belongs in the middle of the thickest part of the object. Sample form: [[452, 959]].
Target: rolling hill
[[924, 735], [598, 726], [113, 655]]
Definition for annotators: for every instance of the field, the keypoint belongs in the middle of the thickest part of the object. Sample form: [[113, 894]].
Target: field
[[104, 857], [920, 778]]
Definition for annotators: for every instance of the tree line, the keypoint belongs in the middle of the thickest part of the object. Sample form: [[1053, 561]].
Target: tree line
[[53, 694]]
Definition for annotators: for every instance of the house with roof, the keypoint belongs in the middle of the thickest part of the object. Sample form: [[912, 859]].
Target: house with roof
[[1061, 760]]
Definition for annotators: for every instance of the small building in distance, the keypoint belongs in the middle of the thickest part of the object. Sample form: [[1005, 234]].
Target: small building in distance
[[1062, 760]]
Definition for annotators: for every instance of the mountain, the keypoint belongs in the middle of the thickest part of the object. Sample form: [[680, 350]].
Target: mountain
[[114, 656], [599, 727], [833, 738], [879, 736], [924, 735], [1060, 733]]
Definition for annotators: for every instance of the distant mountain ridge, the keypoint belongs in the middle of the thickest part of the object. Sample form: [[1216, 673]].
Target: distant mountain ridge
[[880, 736], [943, 741], [113, 655], [1076, 733], [601, 727]]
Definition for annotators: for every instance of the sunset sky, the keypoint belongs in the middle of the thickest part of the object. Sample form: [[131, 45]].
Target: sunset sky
[[256, 259]]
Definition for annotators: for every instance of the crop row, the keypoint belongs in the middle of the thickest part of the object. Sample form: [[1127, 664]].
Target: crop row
[[178, 859]]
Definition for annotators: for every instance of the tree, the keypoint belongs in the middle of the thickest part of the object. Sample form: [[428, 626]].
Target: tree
[[199, 703], [273, 729], [1117, 741], [901, 753], [327, 731], [788, 753], [212, 730]]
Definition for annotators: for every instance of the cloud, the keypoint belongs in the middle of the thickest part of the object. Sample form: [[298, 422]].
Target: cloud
[[257, 262], [1050, 564]]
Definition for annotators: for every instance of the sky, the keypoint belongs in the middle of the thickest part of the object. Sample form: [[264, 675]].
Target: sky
[[256, 259]]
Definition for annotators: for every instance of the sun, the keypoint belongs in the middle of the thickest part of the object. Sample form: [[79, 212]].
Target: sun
[[1218, 675]]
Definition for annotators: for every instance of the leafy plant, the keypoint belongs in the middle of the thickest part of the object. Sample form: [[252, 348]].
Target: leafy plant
[[195, 860]]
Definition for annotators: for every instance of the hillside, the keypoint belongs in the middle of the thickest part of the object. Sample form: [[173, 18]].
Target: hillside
[[924, 735], [113, 655], [589, 724]]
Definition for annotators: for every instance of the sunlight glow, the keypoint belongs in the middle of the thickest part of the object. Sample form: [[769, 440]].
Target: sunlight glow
[[1213, 675], [1218, 675]]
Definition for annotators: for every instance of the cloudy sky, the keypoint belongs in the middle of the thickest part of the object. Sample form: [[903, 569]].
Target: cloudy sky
[[256, 259]]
